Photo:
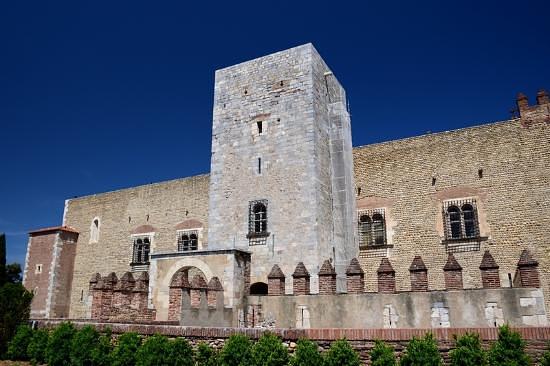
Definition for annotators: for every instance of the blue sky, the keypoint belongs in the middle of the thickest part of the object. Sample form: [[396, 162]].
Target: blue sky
[[96, 96]]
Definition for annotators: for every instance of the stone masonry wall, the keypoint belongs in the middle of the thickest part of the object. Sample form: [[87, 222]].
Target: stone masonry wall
[[288, 163], [504, 165], [161, 206]]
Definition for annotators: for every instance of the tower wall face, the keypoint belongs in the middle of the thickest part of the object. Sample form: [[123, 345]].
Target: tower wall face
[[287, 93]]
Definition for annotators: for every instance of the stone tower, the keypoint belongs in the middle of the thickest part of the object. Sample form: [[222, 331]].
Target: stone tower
[[281, 183]]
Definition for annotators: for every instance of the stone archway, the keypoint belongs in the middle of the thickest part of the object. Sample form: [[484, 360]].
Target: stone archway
[[180, 288]]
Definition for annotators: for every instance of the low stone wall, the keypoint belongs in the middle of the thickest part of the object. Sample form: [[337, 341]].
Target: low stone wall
[[362, 340]]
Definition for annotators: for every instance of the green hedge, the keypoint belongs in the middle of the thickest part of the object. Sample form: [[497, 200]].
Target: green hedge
[[64, 345]]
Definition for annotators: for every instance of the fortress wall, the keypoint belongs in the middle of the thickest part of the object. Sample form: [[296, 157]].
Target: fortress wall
[[160, 205], [411, 178]]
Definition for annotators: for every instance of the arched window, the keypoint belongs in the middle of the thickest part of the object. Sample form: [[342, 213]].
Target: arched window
[[94, 231], [188, 240], [378, 229], [454, 220], [260, 218], [371, 228], [461, 219], [365, 228], [141, 250]]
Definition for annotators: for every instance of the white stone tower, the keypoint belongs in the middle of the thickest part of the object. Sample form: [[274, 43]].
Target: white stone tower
[[281, 183]]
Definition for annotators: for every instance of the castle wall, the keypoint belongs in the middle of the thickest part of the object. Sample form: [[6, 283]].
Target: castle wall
[[437, 309], [158, 207], [505, 166]]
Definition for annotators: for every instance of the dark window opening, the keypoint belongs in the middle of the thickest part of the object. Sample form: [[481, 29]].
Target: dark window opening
[[372, 228], [260, 127], [433, 181], [188, 241], [259, 165], [480, 173], [460, 219], [257, 222], [141, 251], [258, 288]]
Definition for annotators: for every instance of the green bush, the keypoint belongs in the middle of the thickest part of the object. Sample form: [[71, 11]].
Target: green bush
[[269, 351], [545, 359], [509, 349], [341, 353], [468, 351], [306, 354], [58, 350], [422, 352], [37, 346], [17, 347], [382, 355], [181, 353], [155, 351], [124, 354], [236, 351], [101, 355], [206, 355], [84, 342], [15, 303]]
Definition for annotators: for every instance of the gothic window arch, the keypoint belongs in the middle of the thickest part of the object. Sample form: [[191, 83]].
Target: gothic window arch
[[460, 219], [257, 222], [188, 240], [94, 230], [371, 227], [142, 248]]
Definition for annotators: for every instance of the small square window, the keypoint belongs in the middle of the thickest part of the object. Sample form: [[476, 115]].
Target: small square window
[[38, 269]]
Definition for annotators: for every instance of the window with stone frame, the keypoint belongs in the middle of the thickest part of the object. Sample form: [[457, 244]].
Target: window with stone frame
[[188, 240], [257, 222], [142, 247], [460, 219], [371, 226]]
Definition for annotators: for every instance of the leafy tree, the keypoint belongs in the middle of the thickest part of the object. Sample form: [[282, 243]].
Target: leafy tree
[[468, 351], [37, 346], [15, 303], [236, 351], [509, 349], [84, 342], [17, 347], [101, 355], [58, 350], [306, 354], [181, 353], [13, 273], [269, 351], [206, 355], [422, 352], [3, 278], [341, 353], [155, 351], [382, 355], [124, 353]]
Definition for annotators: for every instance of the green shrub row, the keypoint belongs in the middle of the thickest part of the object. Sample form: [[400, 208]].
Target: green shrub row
[[66, 345]]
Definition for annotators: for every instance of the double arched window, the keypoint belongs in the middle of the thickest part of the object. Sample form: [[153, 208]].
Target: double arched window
[[460, 219], [142, 246], [372, 228], [188, 240]]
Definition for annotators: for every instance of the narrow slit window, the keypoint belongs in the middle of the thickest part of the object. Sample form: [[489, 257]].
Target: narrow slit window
[[259, 165], [260, 127]]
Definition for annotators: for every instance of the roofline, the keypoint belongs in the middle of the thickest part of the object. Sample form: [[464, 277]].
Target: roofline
[[404, 139], [138, 186], [52, 229]]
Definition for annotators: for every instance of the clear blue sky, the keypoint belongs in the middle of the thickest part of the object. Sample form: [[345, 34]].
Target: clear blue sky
[[101, 95]]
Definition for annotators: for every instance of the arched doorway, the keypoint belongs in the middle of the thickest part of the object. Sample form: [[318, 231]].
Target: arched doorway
[[180, 283], [258, 288]]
